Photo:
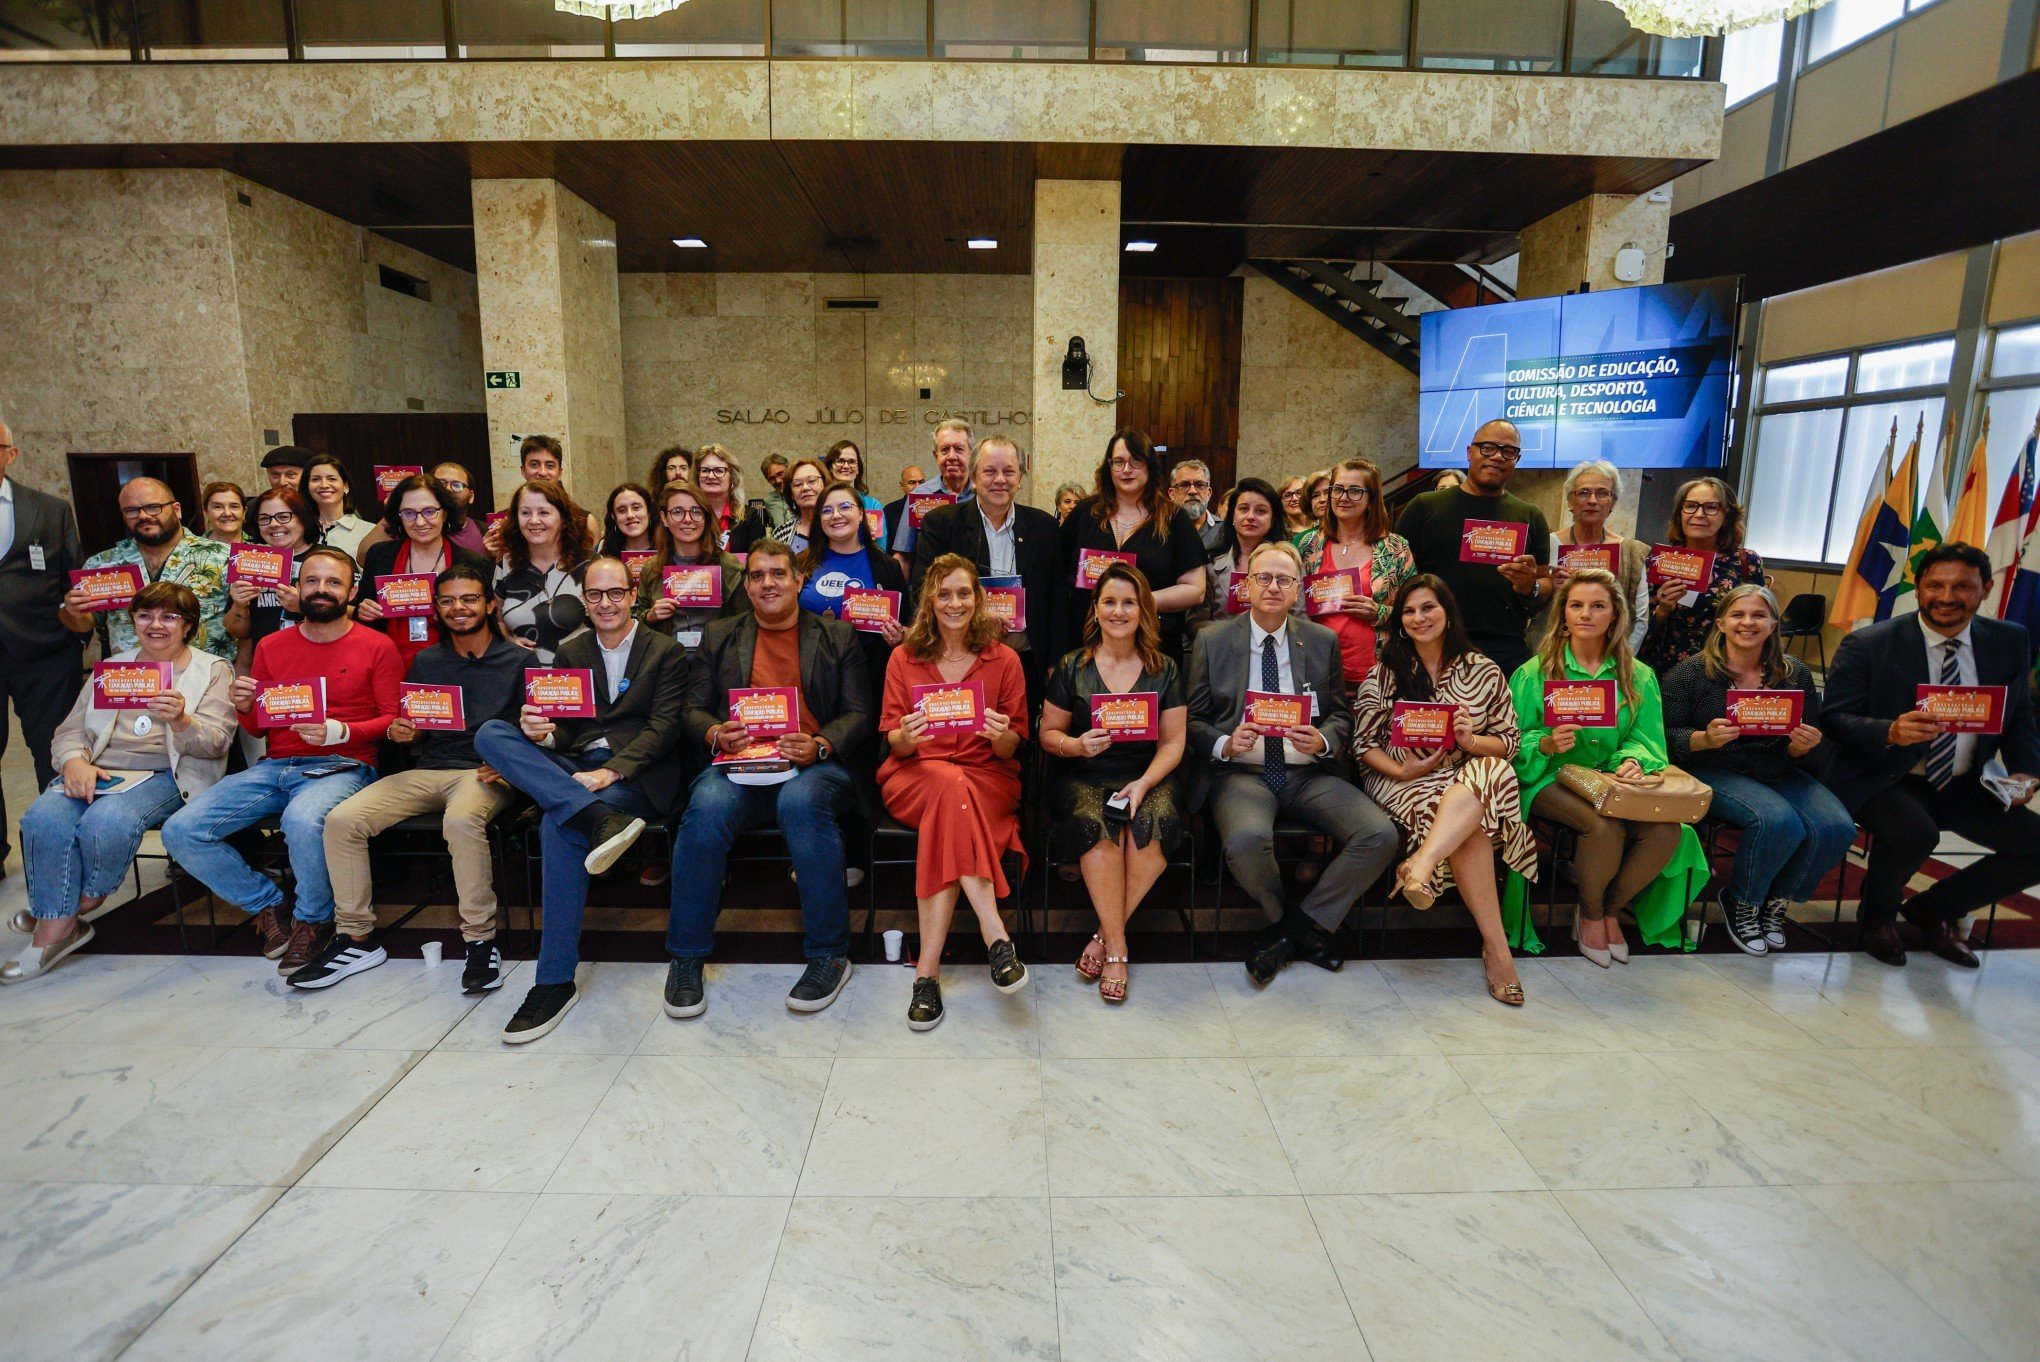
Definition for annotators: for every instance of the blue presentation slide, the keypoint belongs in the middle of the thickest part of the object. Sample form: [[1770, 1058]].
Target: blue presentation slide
[[1637, 376]]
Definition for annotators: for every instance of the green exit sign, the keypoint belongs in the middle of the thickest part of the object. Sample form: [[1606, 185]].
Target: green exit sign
[[502, 378]]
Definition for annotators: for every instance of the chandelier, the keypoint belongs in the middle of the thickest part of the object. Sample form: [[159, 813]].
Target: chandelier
[[618, 9], [1700, 18]]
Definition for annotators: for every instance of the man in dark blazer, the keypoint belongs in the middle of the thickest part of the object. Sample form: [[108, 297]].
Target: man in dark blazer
[[777, 644], [41, 674], [1907, 779], [1003, 539], [910, 477], [1255, 776], [595, 780]]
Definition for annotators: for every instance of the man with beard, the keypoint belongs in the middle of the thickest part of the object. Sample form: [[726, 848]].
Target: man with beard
[[447, 778], [311, 767], [1190, 488], [158, 545]]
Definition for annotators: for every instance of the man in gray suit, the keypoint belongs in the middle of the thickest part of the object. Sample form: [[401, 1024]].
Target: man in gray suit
[[1253, 775], [40, 659]]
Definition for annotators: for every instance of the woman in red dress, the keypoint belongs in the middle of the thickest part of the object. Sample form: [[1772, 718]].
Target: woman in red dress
[[961, 790]]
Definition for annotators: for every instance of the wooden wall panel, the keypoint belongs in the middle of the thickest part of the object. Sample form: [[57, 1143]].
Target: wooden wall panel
[[1179, 364]]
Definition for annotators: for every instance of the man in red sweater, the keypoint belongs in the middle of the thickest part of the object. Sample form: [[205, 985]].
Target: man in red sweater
[[311, 766]]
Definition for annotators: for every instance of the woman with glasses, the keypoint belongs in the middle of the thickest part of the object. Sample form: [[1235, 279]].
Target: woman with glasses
[[545, 547], [283, 519], [684, 539], [1295, 515], [1250, 521], [1704, 516], [627, 521], [845, 462], [790, 516], [416, 516], [325, 482], [226, 512], [1591, 491], [673, 464], [844, 557], [1353, 536], [1130, 511], [722, 491]]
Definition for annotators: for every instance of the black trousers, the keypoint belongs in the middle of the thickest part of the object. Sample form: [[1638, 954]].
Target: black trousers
[[42, 691], [1507, 652], [1907, 821]]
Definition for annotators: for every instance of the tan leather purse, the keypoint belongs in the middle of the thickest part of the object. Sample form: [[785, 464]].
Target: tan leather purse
[[1667, 796]]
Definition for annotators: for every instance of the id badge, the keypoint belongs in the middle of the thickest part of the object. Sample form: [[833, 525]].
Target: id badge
[[37, 559], [689, 639], [419, 627]]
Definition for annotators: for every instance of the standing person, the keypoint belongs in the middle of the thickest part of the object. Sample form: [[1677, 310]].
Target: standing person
[[845, 463], [1295, 515], [1353, 535], [417, 512], [1120, 852], [1498, 601], [960, 791], [845, 558], [283, 519], [675, 463], [226, 512], [461, 527], [1591, 491], [1794, 829], [1317, 496], [595, 780], [1705, 515], [1658, 868], [40, 640], [911, 477], [310, 768], [285, 466], [684, 538], [775, 643], [1459, 804], [1190, 489], [445, 778], [77, 840], [333, 498], [1130, 512], [1447, 480], [1249, 523], [788, 516], [1906, 779], [165, 551], [1066, 498], [627, 524], [540, 458], [1253, 775], [538, 577], [952, 474], [774, 468], [715, 473]]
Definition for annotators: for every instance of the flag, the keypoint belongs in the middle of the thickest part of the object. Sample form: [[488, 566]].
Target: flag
[[1877, 561], [1930, 522], [1966, 523], [2019, 601], [2006, 541]]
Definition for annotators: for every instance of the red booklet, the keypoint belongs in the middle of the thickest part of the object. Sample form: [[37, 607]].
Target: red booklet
[[951, 708], [1421, 723], [1766, 713], [919, 504], [283, 703], [1965, 709], [258, 563], [695, 586], [1092, 562], [1493, 541], [635, 560], [1580, 557], [868, 611], [432, 707], [129, 685], [1134, 716], [1325, 592], [388, 475], [1236, 602], [766, 711], [405, 594], [1670, 563], [1584, 704], [1007, 604], [561, 692], [108, 588], [1276, 712]]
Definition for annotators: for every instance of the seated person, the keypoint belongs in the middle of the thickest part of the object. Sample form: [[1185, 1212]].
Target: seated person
[[1794, 829], [595, 780], [1457, 804], [310, 767], [446, 778], [1906, 779], [844, 557], [1658, 868], [1255, 776], [776, 644], [77, 842], [1121, 851], [960, 790]]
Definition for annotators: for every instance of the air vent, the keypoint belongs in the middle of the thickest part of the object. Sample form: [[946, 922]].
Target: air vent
[[410, 285], [415, 403], [850, 304], [242, 199]]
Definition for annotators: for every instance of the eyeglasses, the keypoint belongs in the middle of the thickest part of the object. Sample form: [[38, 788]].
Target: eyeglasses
[[1702, 508], [1193, 485], [411, 517], [1505, 453], [470, 600], [705, 472], [1351, 493], [687, 513], [1120, 465], [614, 595], [452, 486], [1281, 579], [276, 518], [153, 510], [1592, 494]]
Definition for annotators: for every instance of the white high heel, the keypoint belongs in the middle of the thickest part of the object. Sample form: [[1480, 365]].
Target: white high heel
[[1599, 955]]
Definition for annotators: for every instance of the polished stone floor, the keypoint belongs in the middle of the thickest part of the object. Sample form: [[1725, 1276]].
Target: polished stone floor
[[1798, 1158]]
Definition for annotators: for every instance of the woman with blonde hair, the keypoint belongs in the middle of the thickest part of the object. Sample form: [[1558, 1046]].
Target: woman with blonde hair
[[1353, 535], [1295, 515], [722, 485]]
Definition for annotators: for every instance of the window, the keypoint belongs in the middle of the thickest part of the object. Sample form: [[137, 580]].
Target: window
[[1820, 430], [2010, 393], [1749, 60], [1843, 23]]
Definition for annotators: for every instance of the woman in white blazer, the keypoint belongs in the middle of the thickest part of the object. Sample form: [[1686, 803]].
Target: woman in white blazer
[[123, 770]]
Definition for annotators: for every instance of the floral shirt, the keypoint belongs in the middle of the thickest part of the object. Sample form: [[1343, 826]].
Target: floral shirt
[[1673, 640], [196, 562]]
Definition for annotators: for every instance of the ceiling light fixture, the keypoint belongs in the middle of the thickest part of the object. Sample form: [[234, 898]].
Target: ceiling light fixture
[[1709, 18], [692, 243], [983, 243], [1140, 246], [618, 9]]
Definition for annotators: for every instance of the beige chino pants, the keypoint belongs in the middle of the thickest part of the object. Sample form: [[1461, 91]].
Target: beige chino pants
[[468, 805]]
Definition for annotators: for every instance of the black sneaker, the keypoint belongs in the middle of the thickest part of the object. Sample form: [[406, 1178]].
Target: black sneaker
[[686, 990], [484, 968], [539, 1013], [1744, 926], [1772, 917], [1008, 974], [820, 984], [342, 956], [924, 1013], [612, 837]]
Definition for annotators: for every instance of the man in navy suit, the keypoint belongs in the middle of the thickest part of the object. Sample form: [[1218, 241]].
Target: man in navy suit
[[1906, 778]]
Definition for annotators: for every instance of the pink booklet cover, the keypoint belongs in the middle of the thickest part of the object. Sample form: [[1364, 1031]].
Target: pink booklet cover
[[108, 588], [263, 564], [561, 692], [957, 707], [1135, 716], [1324, 593], [766, 711], [867, 610], [1766, 713], [1583, 704], [283, 703], [405, 594], [1091, 564], [695, 586], [1493, 541], [129, 685], [1421, 723], [432, 707]]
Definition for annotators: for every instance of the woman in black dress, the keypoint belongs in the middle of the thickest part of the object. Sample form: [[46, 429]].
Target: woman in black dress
[[1130, 512]]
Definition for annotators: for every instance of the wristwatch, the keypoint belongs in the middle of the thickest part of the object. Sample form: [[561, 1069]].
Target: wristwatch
[[822, 749]]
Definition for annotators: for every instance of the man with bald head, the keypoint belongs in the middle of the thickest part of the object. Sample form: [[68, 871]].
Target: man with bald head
[[39, 657], [159, 545], [1496, 601]]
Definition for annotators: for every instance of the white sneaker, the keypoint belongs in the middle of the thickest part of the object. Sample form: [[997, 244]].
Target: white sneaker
[[36, 961]]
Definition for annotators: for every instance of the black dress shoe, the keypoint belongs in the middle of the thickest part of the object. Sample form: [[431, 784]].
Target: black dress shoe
[[1315, 946], [1269, 954], [1882, 945], [1951, 947]]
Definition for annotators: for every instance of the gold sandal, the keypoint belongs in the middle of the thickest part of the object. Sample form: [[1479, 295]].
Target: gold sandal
[[1509, 995], [1113, 990], [1090, 976], [1419, 894]]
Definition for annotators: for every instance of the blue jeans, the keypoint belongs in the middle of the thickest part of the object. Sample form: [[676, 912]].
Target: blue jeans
[[1794, 832], [548, 777], [73, 849], [290, 787], [808, 809]]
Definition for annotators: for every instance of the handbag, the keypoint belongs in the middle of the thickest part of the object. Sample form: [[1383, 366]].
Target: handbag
[[1667, 796]]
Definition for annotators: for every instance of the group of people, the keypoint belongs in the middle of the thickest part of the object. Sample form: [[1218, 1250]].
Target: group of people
[[820, 660]]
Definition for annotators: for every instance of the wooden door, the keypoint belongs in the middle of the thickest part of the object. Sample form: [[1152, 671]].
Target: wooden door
[[1179, 364], [96, 480], [362, 440]]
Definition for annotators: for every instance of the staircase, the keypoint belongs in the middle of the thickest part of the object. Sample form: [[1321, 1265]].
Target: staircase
[[1355, 303]]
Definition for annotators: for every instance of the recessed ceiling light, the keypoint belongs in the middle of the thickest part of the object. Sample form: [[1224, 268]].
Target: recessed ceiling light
[[692, 243], [1140, 246], [983, 243]]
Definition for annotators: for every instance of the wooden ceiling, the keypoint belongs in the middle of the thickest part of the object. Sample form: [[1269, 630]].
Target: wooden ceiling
[[908, 207]]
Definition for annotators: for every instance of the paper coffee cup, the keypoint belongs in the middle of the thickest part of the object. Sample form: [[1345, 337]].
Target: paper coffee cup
[[894, 939], [432, 953]]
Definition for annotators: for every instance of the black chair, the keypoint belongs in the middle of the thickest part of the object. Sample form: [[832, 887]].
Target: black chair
[[1186, 906], [891, 844], [1289, 834], [1868, 840], [1806, 617]]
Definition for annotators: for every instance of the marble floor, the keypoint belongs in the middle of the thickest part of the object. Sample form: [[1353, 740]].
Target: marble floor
[[1704, 1158]]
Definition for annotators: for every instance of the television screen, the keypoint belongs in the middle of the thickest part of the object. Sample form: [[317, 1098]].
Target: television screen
[[1637, 376]]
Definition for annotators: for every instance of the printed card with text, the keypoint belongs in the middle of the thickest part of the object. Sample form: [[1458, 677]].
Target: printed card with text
[[1091, 563], [561, 692], [693, 586], [1672, 563], [1493, 541], [1325, 593], [957, 707], [766, 711], [920, 505], [1766, 713], [388, 475], [1421, 723], [405, 594], [1965, 709], [107, 588], [874, 521], [283, 703], [1135, 716], [129, 685], [1580, 557], [868, 611], [263, 564], [635, 559], [1236, 602], [438, 708], [1006, 601], [1584, 704], [1276, 712]]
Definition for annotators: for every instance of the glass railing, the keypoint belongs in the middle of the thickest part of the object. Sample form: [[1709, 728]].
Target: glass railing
[[1585, 37]]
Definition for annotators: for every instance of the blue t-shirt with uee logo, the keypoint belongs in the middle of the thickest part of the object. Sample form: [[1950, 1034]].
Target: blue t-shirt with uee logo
[[834, 575]]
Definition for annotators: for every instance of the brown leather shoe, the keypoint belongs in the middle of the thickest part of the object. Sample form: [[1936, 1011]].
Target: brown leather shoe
[[271, 933], [1882, 944], [306, 940], [1949, 945]]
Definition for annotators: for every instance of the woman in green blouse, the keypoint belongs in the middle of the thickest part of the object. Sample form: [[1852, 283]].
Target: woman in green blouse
[[1655, 868]]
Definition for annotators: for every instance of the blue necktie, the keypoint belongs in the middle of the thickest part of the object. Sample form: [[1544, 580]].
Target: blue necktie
[[1274, 769], [1941, 751]]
